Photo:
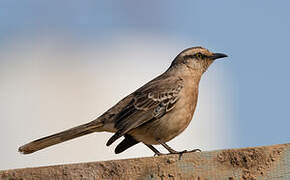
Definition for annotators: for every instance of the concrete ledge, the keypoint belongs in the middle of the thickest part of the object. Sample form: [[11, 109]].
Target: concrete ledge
[[266, 162]]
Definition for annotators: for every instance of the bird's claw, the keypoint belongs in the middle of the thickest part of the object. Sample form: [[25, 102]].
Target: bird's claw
[[185, 151], [195, 150]]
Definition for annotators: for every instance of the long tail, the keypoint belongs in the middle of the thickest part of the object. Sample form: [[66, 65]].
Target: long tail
[[61, 137]]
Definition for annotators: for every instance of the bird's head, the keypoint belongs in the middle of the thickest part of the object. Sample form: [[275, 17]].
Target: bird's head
[[197, 58]]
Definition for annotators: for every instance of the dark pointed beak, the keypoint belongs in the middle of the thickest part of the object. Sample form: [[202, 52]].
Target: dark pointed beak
[[218, 55]]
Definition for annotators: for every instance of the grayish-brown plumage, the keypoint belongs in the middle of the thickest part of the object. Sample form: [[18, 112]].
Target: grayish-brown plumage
[[153, 114]]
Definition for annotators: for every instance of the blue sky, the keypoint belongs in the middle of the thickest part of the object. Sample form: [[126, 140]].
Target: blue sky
[[255, 35]]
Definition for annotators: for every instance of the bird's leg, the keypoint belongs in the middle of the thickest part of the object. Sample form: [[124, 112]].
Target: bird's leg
[[157, 153], [171, 151]]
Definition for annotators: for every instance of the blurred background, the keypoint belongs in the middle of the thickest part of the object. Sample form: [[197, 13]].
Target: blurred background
[[64, 63]]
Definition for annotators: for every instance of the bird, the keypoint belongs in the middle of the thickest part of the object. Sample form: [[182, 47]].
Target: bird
[[153, 114]]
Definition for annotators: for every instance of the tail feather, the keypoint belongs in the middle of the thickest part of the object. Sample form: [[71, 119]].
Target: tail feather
[[60, 137]]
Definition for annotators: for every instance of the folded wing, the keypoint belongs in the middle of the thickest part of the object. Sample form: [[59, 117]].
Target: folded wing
[[148, 103]]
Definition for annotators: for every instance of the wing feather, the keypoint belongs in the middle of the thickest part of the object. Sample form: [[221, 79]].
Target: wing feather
[[150, 102]]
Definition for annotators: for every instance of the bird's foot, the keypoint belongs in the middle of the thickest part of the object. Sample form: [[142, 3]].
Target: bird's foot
[[194, 150], [178, 152], [185, 151], [172, 151]]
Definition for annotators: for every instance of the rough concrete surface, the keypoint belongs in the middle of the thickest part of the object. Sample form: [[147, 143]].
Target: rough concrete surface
[[266, 162]]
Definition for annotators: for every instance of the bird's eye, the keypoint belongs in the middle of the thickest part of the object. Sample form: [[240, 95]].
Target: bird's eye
[[199, 55]]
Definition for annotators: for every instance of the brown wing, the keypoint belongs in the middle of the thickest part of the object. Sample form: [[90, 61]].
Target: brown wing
[[150, 102]]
